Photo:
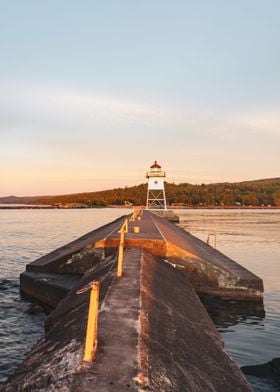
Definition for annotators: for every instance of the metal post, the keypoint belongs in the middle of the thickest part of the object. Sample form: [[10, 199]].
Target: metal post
[[92, 324], [123, 230], [134, 214], [215, 238], [120, 257], [125, 226]]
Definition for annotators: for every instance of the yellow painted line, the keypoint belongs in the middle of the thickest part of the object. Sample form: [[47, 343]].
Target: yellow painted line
[[158, 228]]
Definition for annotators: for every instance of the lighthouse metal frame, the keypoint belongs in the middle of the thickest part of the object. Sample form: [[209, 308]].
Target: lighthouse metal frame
[[156, 198]]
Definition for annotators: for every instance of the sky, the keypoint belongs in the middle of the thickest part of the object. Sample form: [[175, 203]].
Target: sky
[[92, 92]]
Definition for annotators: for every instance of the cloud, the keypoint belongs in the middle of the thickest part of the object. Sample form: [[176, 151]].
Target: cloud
[[42, 108], [76, 135], [261, 123], [49, 112]]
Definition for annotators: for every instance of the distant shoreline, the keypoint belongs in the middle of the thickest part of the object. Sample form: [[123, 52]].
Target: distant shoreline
[[25, 207], [227, 208], [50, 207]]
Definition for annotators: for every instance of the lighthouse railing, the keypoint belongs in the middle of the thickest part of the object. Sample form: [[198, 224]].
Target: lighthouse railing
[[155, 174]]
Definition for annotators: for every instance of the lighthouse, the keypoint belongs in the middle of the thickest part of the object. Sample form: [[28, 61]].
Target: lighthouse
[[156, 193]]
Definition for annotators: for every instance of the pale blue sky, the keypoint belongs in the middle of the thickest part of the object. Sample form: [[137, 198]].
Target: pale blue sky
[[92, 92]]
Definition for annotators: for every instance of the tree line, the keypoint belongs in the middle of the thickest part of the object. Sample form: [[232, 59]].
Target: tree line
[[247, 193]]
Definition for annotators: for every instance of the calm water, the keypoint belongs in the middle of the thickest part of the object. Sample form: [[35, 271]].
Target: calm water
[[252, 238], [24, 236]]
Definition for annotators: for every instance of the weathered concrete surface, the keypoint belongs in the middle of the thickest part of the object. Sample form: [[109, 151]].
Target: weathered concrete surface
[[48, 288], [181, 349], [116, 364], [56, 358], [154, 334], [59, 261], [210, 271]]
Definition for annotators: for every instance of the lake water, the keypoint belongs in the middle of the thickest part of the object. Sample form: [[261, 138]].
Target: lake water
[[252, 238]]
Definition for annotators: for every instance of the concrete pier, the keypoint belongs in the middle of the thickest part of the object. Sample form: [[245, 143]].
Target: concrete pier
[[210, 271], [154, 333]]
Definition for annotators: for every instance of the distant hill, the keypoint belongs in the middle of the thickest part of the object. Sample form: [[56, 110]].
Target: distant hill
[[19, 200], [255, 193]]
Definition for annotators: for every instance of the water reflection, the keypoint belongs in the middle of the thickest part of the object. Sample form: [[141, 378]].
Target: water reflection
[[227, 313]]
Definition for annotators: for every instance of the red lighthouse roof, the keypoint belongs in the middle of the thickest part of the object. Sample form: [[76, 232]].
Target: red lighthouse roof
[[155, 165]]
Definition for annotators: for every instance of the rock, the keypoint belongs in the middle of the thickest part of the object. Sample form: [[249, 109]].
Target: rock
[[34, 309], [269, 369]]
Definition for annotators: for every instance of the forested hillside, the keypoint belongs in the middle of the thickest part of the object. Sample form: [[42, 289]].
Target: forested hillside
[[254, 193]]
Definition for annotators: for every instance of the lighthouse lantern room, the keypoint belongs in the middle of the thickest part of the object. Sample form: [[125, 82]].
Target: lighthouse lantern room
[[156, 193]]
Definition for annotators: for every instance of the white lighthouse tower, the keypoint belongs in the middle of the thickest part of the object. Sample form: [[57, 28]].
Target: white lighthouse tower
[[156, 193]]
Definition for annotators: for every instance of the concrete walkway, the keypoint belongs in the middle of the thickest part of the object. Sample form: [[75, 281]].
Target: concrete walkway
[[210, 271], [116, 363]]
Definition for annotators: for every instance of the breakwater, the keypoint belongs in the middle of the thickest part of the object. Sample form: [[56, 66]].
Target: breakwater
[[96, 251]]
